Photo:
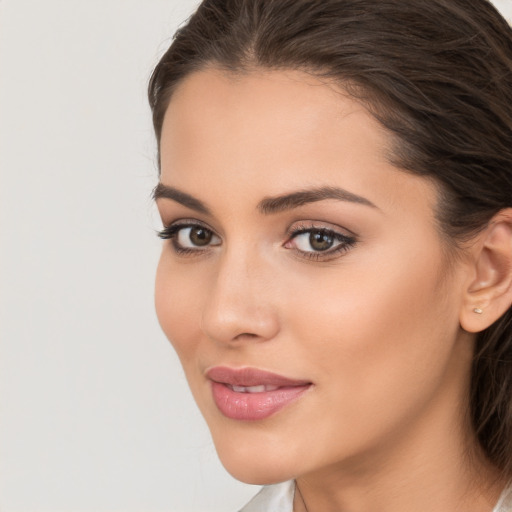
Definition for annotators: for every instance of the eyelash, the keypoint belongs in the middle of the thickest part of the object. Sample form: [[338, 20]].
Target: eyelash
[[345, 242], [171, 233]]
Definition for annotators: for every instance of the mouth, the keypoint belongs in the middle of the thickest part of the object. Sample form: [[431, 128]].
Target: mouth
[[250, 394], [252, 389]]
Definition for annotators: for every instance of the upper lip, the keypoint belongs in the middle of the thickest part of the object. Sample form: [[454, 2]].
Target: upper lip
[[251, 377]]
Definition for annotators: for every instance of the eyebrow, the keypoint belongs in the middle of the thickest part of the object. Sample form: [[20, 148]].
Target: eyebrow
[[162, 191], [295, 199], [268, 205]]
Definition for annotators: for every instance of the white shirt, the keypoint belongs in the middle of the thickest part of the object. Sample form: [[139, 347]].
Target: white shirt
[[279, 498]]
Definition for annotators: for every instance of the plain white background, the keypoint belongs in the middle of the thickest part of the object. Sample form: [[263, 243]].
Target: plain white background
[[95, 411]]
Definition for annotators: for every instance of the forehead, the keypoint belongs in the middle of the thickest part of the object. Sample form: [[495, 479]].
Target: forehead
[[275, 130], [259, 100]]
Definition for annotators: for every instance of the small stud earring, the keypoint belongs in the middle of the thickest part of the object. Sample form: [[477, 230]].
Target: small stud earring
[[478, 311]]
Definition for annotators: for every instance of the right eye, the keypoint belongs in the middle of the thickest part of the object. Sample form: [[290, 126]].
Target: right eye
[[190, 237]]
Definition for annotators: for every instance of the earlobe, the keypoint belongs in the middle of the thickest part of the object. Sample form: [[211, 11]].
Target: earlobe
[[489, 292]]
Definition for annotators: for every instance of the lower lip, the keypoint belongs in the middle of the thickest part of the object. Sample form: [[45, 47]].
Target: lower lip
[[254, 406]]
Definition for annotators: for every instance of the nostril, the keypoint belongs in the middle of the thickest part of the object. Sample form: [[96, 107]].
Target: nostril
[[246, 335]]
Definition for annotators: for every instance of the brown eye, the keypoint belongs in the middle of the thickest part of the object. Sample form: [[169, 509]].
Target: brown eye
[[191, 237], [317, 243], [200, 236], [321, 240]]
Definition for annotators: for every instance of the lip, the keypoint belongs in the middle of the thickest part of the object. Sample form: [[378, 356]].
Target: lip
[[252, 405]]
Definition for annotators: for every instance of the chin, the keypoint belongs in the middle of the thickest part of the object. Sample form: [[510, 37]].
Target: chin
[[252, 464], [256, 473]]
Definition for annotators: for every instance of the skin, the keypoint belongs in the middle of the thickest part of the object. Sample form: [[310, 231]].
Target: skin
[[375, 327]]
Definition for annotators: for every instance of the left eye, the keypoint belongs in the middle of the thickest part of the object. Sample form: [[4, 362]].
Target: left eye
[[319, 240]]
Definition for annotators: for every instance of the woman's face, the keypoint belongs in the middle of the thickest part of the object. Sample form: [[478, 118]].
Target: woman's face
[[303, 283]]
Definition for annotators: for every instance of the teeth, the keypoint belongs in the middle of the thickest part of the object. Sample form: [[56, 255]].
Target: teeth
[[253, 389]]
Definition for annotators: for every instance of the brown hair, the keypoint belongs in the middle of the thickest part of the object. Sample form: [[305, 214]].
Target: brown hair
[[437, 74]]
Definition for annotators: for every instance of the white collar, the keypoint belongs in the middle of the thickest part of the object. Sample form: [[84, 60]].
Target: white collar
[[279, 498], [273, 498], [505, 502]]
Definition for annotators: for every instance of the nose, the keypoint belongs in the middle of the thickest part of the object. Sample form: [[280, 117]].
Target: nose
[[239, 307]]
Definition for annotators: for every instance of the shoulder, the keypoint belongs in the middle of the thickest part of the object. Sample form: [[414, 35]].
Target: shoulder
[[273, 498]]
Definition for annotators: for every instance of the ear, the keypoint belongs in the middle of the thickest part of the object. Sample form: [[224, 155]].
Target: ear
[[488, 294]]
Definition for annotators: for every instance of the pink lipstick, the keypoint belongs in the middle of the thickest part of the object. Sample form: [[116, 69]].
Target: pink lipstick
[[251, 394]]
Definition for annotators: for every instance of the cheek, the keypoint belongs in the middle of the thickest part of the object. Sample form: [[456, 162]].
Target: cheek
[[177, 299], [380, 329]]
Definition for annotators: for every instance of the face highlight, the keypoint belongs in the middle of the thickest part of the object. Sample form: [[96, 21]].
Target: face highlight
[[293, 247]]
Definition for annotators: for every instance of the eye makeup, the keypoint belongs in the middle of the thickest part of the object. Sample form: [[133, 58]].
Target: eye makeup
[[317, 242], [189, 237], [312, 241]]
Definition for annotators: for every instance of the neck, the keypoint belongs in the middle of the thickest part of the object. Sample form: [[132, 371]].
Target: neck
[[433, 465], [415, 483]]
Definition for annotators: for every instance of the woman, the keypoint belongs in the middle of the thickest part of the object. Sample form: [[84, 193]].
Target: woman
[[336, 278]]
